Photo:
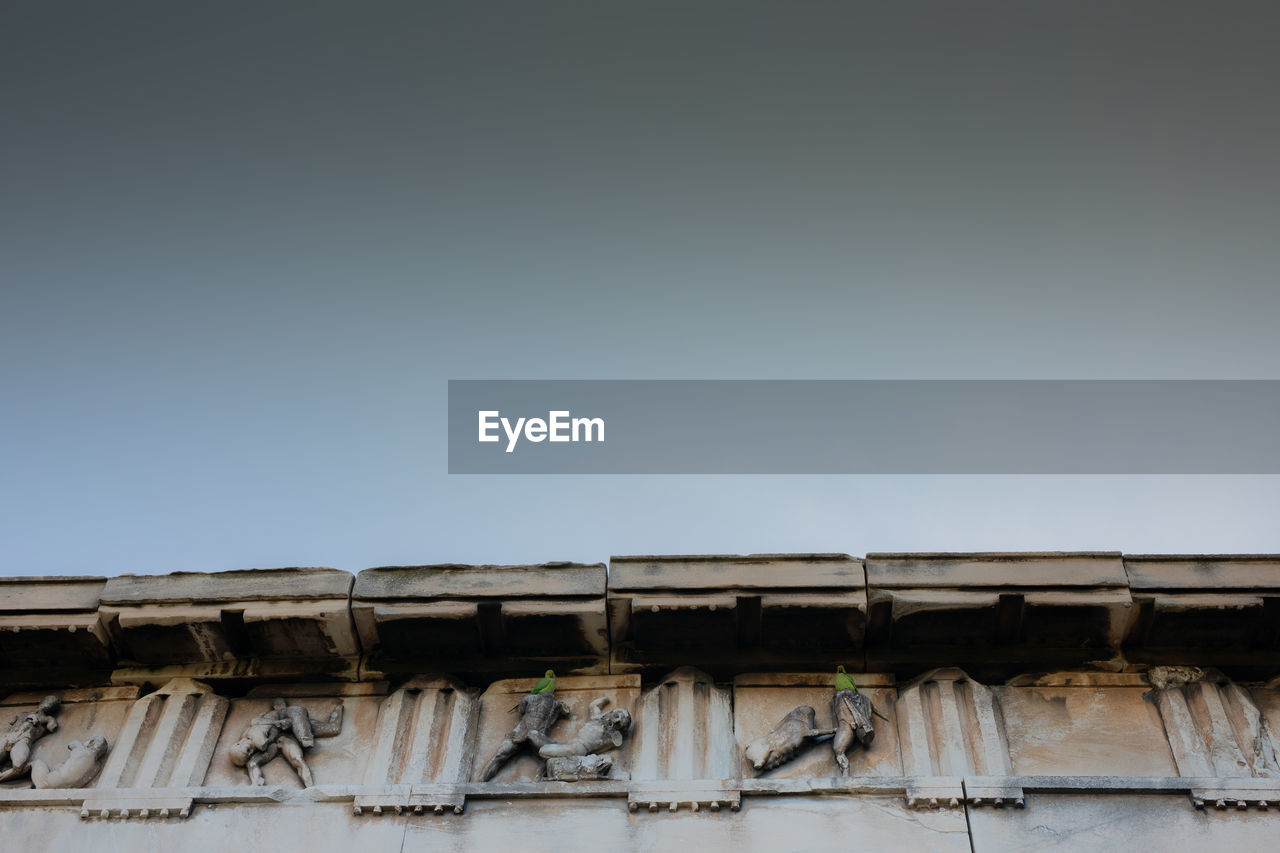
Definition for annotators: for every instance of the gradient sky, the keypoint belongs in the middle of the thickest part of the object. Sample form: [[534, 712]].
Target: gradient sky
[[244, 245]]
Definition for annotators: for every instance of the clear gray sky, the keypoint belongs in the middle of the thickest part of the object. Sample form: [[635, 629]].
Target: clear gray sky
[[244, 245]]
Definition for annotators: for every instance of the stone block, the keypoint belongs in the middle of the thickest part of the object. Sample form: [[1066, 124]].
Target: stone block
[[50, 631], [292, 617], [1206, 610], [730, 613], [950, 726], [994, 614], [483, 619], [1108, 822], [1075, 727]]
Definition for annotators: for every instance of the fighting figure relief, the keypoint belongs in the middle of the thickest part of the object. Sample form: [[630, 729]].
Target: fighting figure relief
[[284, 730]]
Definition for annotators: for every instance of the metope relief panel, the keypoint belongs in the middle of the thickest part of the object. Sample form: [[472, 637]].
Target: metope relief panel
[[295, 734], [42, 730], [763, 701], [524, 720], [1082, 724]]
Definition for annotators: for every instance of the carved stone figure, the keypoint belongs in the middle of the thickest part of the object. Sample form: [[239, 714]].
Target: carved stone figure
[[83, 764], [599, 734], [24, 731], [781, 744], [851, 711], [538, 712], [578, 768], [284, 730]]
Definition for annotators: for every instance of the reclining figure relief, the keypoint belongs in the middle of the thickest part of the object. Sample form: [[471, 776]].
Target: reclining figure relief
[[285, 729], [24, 731], [851, 713], [578, 758], [780, 745], [80, 767], [539, 710]]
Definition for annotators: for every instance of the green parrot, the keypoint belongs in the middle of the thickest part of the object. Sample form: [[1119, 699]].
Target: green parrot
[[546, 684], [844, 681]]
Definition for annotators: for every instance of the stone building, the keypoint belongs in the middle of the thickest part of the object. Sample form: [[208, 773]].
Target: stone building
[[997, 702]]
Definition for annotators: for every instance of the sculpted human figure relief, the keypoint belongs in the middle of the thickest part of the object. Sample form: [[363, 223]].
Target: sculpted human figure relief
[[81, 766], [781, 744], [851, 711], [578, 758], [24, 731], [599, 734], [284, 730], [539, 711]]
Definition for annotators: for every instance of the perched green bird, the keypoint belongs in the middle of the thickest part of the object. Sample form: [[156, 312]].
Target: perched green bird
[[844, 681], [546, 684]]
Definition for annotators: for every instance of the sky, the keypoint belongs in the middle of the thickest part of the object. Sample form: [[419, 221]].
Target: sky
[[244, 246]]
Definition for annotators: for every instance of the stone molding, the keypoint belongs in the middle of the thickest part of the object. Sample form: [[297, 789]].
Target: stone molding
[[998, 678], [997, 615]]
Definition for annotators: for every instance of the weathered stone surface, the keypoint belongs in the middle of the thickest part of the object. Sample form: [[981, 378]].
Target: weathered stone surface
[[239, 826], [453, 580], [721, 571], [822, 824], [1203, 571], [1017, 569], [950, 726], [1085, 730], [535, 826], [167, 739], [762, 609], [1214, 610], [50, 631], [684, 730], [1105, 822], [995, 613], [283, 614], [257, 585], [1214, 727], [479, 617], [426, 733]]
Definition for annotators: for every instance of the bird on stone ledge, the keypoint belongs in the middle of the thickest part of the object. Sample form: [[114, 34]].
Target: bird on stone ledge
[[546, 684]]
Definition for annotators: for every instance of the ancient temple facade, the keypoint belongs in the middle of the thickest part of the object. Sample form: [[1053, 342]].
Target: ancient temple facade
[[951, 702]]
